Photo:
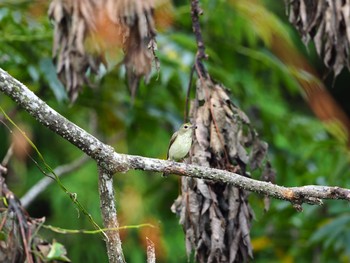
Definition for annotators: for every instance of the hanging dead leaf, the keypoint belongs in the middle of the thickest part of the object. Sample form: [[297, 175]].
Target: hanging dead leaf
[[86, 30], [73, 21], [139, 37], [327, 23]]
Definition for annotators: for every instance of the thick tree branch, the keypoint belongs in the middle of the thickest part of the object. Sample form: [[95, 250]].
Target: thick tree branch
[[56, 122], [113, 162]]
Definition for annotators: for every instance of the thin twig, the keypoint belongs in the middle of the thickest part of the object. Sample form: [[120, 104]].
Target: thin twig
[[198, 66], [8, 156], [187, 106], [40, 186], [196, 11]]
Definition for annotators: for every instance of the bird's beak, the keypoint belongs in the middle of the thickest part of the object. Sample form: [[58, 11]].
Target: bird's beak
[[194, 127]]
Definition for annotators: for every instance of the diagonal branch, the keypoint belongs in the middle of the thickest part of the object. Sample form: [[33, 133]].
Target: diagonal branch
[[114, 162]]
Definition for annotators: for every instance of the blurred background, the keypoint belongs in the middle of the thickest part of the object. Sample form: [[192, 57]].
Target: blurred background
[[243, 58]]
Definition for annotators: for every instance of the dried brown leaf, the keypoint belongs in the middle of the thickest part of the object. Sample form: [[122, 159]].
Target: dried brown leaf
[[203, 189], [242, 154], [215, 143], [217, 111], [201, 132], [327, 23], [217, 227], [245, 228], [257, 154], [234, 202]]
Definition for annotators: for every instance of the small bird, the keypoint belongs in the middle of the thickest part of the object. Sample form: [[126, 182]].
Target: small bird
[[180, 143]]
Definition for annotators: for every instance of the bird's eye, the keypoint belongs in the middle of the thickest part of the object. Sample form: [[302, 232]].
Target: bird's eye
[[185, 126]]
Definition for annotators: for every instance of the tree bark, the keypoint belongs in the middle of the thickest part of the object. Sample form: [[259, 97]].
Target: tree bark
[[109, 216]]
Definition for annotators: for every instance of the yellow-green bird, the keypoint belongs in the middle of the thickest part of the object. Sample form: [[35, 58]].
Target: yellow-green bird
[[180, 143]]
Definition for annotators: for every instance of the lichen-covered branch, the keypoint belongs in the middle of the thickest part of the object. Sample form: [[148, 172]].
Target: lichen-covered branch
[[113, 162], [109, 216], [311, 194], [54, 121]]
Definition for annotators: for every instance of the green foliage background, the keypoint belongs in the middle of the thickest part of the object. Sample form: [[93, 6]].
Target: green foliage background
[[300, 150]]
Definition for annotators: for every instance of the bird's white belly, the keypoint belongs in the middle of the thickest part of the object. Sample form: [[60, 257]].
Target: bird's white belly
[[180, 148]]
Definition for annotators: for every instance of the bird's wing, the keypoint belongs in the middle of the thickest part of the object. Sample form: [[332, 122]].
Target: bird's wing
[[172, 139]]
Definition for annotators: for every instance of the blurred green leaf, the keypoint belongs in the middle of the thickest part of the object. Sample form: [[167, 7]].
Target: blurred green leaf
[[57, 252], [332, 232]]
